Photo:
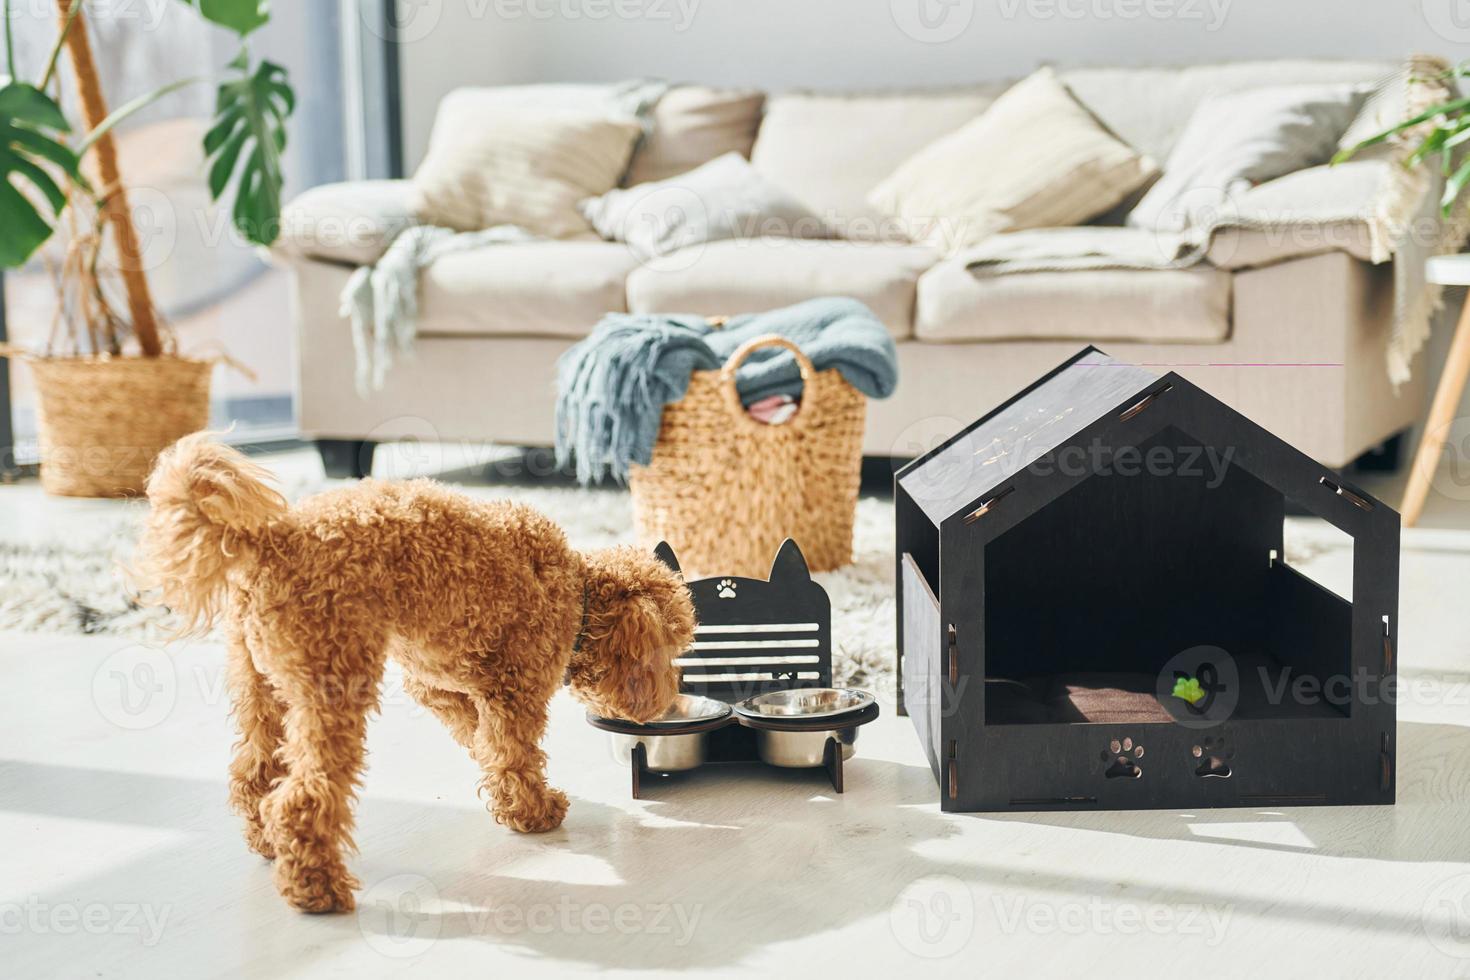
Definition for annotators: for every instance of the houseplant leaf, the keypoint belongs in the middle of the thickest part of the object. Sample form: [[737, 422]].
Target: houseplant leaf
[[1453, 186], [1449, 130], [250, 125], [133, 106], [240, 16], [1453, 108], [28, 117]]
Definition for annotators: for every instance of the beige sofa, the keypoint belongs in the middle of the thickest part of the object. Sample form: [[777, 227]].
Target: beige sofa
[[1255, 325]]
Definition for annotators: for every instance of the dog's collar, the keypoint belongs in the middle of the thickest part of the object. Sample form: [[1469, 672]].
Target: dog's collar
[[582, 633]]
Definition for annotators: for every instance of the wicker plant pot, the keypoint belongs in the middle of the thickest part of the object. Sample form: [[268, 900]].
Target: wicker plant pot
[[725, 489], [103, 420]]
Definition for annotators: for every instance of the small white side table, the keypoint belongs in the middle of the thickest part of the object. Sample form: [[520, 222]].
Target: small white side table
[[1446, 270]]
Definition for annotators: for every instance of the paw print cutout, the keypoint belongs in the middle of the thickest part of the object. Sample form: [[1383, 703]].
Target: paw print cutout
[[726, 589], [1122, 757], [1214, 756]]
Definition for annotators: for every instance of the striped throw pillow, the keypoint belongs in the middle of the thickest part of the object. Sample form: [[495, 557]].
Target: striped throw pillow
[[520, 166]]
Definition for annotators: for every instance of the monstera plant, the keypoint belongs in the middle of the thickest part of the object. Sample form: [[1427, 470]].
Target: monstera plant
[[105, 408]]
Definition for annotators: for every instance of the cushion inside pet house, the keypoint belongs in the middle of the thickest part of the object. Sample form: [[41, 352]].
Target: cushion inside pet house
[[1105, 535]]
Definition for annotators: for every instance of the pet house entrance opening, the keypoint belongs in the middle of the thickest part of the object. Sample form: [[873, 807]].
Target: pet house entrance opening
[[1094, 601]]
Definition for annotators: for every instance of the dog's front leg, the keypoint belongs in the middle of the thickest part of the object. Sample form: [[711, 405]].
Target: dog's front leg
[[507, 745]]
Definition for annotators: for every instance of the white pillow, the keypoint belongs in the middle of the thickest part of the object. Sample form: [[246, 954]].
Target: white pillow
[[1036, 158], [722, 199], [1239, 139], [505, 165]]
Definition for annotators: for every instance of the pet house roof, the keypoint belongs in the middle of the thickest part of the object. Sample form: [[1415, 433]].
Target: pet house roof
[[1021, 430], [1053, 412]]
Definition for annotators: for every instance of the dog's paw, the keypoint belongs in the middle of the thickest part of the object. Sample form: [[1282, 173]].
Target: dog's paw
[[528, 814], [259, 841], [316, 890]]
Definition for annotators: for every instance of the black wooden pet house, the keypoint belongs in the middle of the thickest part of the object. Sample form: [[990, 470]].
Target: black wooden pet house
[[1095, 611]]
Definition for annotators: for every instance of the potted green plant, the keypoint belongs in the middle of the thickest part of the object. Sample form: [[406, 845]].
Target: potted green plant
[[113, 389]]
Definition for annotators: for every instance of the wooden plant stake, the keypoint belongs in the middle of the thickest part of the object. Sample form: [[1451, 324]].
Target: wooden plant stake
[[94, 111]]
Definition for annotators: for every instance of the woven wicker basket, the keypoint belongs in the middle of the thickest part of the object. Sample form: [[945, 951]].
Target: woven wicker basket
[[725, 489], [103, 420]]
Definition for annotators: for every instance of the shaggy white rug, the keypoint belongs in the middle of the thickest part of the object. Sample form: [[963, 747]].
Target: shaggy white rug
[[74, 582]]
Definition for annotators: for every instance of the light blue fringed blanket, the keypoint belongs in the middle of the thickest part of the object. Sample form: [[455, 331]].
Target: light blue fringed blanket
[[613, 386]]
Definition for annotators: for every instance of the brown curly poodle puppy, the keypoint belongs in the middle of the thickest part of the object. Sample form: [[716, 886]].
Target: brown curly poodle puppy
[[483, 604]]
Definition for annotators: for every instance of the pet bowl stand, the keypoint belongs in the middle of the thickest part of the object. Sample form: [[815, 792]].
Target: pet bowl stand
[[735, 741]]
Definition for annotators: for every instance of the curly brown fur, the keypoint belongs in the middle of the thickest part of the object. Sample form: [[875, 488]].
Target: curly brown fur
[[481, 603]]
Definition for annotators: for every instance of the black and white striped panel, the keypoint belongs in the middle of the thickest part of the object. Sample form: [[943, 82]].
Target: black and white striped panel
[[752, 652]]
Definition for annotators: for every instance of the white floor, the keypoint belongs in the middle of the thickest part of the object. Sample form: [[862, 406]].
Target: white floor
[[120, 858]]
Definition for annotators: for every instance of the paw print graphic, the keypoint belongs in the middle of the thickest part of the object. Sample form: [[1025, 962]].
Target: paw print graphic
[[1214, 756], [1122, 756], [726, 589]]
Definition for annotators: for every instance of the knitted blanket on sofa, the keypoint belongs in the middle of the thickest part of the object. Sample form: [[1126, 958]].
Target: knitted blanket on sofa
[[613, 386]]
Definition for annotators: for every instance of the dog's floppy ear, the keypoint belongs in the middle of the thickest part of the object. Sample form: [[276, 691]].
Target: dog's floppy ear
[[640, 618], [641, 644]]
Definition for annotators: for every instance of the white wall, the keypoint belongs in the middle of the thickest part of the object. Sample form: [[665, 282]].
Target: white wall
[[856, 44]]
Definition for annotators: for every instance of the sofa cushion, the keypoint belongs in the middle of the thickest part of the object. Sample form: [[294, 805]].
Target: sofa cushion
[[1034, 159], [1148, 107], [751, 275], [831, 150], [1252, 248], [1239, 139], [629, 99], [351, 222], [1321, 209], [520, 166], [692, 125], [1183, 305], [539, 289], [725, 198]]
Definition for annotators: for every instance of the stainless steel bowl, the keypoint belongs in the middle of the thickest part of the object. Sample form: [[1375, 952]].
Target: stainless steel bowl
[[809, 702], [802, 750], [806, 748], [689, 709], [678, 752]]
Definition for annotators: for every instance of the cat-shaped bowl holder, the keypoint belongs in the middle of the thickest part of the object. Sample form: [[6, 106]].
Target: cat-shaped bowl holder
[[756, 684]]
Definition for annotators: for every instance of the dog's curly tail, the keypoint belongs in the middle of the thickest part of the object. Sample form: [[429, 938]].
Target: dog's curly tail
[[207, 501]]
